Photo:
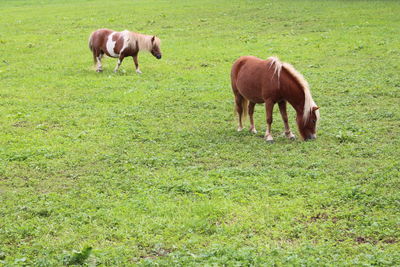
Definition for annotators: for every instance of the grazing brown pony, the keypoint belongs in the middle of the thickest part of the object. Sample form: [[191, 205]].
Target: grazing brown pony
[[120, 45], [270, 81]]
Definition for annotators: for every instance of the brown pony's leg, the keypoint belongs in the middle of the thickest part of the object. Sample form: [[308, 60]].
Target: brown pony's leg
[[119, 62], [269, 106], [136, 64], [251, 112], [282, 109]]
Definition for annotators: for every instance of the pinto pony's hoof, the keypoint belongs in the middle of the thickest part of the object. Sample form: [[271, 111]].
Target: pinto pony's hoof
[[239, 129], [270, 141], [253, 131], [99, 70], [138, 72]]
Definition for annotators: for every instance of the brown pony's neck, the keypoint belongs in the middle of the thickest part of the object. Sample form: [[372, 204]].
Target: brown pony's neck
[[293, 92]]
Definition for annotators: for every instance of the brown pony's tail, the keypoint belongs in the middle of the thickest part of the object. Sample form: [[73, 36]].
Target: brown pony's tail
[[241, 103], [245, 107]]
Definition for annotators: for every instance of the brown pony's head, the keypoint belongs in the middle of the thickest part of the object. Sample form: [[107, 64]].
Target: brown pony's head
[[155, 49], [308, 123]]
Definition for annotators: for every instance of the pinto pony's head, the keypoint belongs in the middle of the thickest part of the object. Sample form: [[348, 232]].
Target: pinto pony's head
[[308, 122], [155, 47]]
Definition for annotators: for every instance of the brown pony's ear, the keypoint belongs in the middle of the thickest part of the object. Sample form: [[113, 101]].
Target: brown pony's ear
[[315, 108], [153, 38]]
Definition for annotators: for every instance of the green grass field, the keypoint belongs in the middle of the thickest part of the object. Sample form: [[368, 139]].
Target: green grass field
[[149, 169]]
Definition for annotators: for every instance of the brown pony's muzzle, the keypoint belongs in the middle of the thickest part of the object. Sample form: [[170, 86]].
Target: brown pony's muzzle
[[158, 56], [310, 137]]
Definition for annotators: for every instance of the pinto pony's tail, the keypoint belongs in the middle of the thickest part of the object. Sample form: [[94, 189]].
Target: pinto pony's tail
[[90, 43]]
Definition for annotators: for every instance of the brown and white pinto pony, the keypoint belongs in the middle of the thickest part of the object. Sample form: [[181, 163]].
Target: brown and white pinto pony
[[271, 81], [120, 45]]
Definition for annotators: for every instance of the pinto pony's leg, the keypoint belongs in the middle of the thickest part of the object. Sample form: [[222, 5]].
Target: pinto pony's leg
[[99, 67], [269, 106], [251, 112], [282, 109], [136, 64], [94, 58], [97, 58], [119, 62]]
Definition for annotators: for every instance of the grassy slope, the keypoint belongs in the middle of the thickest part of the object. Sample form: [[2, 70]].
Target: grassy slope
[[149, 169]]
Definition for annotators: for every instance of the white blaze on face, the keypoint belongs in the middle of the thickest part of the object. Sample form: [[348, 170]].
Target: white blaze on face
[[110, 45]]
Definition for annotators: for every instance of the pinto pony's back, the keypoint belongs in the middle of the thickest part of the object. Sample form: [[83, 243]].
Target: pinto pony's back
[[271, 81]]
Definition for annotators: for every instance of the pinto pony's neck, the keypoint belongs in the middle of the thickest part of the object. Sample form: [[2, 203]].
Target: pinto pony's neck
[[142, 42], [300, 81]]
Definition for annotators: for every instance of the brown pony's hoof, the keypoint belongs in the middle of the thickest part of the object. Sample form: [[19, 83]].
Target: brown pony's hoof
[[270, 141], [99, 70], [253, 131], [269, 138], [289, 135]]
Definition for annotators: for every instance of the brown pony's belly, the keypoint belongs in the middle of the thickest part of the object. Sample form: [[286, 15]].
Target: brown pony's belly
[[251, 95]]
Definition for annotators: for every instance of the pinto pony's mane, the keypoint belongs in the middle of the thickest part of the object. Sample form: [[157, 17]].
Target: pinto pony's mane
[[141, 40], [299, 79]]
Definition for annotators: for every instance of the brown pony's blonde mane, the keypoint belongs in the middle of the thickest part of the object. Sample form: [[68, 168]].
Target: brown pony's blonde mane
[[308, 100], [143, 41], [274, 61]]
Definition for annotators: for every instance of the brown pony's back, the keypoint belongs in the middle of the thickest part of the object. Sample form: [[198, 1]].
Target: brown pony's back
[[254, 78]]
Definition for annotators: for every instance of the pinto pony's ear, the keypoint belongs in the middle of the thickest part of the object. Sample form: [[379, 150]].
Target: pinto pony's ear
[[153, 38], [315, 108]]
